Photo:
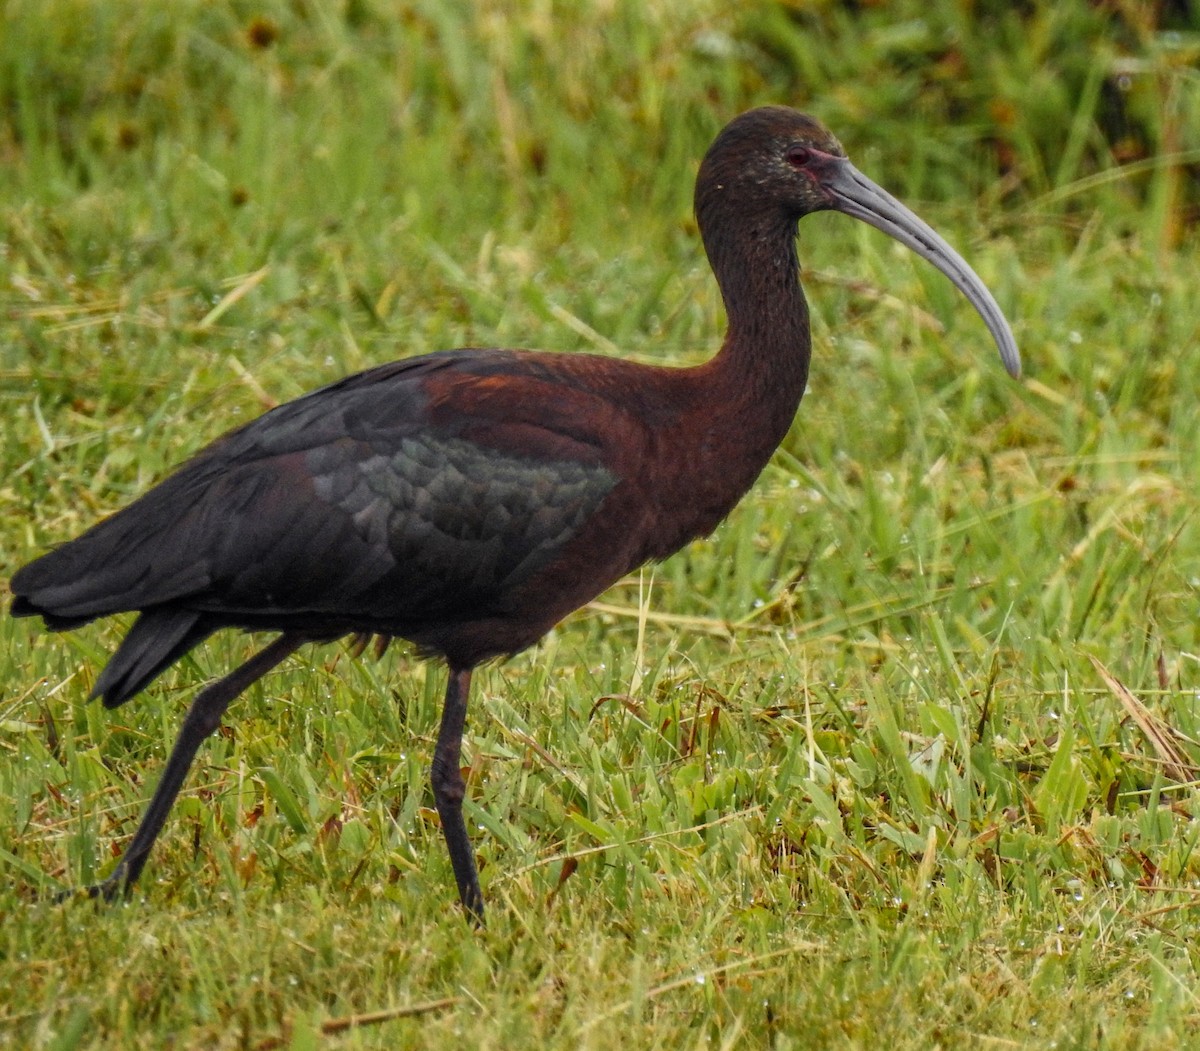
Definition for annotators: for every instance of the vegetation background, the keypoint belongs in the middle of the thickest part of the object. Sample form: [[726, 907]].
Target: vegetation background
[[903, 756]]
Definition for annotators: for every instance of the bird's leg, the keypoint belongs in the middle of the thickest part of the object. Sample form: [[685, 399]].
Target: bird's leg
[[202, 718], [449, 789]]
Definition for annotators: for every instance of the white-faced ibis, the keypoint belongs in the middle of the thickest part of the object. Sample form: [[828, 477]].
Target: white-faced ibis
[[468, 500]]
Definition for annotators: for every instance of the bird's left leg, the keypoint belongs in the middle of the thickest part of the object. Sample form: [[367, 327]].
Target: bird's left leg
[[202, 718]]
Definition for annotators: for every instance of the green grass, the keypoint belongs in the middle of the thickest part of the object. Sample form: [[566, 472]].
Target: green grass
[[844, 774]]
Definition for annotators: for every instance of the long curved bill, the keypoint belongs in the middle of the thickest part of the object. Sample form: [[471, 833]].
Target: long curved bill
[[854, 194]]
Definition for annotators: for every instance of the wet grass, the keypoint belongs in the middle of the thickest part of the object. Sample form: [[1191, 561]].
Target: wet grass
[[901, 756]]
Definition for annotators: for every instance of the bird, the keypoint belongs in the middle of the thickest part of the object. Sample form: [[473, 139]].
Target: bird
[[467, 500]]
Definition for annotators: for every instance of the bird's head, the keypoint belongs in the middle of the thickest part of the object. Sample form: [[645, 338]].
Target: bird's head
[[772, 158], [774, 165]]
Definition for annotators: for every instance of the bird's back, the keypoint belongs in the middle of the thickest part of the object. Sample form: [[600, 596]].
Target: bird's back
[[409, 499]]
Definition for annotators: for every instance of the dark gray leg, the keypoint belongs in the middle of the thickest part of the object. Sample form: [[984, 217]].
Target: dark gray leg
[[449, 789], [202, 718]]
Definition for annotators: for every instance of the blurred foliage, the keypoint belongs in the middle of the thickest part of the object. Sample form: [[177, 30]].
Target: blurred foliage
[[996, 80], [1030, 95]]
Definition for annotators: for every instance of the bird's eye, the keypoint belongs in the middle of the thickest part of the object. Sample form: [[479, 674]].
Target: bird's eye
[[798, 156]]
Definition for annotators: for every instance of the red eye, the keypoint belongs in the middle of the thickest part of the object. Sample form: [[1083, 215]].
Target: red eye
[[798, 156]]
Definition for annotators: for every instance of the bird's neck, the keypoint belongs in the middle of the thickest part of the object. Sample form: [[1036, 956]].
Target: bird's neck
[[762, 367], [740, 404]]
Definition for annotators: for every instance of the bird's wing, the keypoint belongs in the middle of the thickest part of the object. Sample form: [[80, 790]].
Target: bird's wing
[[405, 492]]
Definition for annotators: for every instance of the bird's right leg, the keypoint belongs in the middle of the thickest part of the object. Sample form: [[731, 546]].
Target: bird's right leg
[[449, 790], [202, 718]]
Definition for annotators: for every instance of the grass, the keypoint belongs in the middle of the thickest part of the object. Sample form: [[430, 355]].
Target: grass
[[901, 756]]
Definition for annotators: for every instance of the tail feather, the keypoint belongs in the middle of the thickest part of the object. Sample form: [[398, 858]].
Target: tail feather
[[23, 607], [158, 638], [84, 580]]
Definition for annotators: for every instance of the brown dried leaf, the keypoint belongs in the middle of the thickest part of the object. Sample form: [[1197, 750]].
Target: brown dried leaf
[[1162, 736]]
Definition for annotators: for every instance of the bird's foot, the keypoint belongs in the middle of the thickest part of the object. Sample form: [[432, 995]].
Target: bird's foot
[[115, 887]]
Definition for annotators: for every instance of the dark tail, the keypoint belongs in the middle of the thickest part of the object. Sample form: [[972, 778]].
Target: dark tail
[[129, 562], [66, 595], [158, 638]]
